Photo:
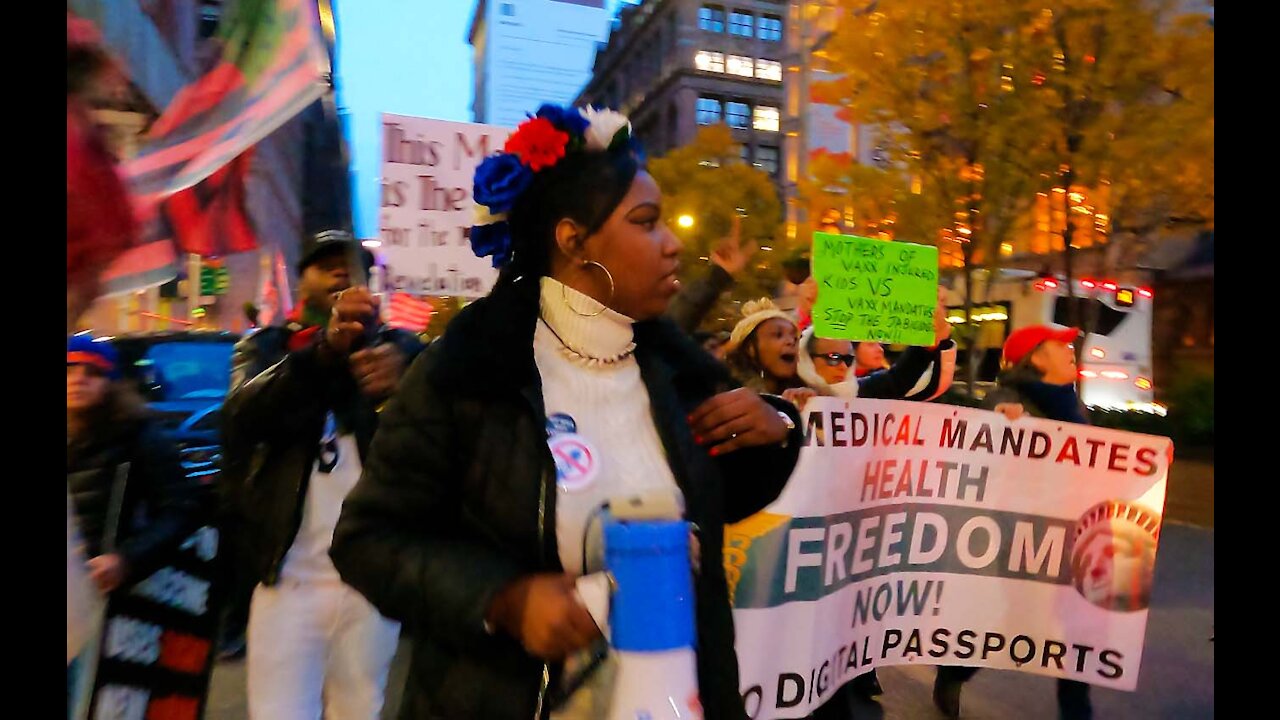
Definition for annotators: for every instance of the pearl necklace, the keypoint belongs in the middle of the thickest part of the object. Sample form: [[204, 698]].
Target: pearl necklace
[[584, 359]]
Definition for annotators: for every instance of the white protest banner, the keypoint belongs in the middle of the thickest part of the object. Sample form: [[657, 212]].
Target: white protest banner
[[425, 220], [914, 533]]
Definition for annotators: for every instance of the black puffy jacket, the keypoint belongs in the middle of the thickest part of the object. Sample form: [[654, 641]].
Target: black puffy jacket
[[458, 499], [160, 505], [272, 424], [899, 379]]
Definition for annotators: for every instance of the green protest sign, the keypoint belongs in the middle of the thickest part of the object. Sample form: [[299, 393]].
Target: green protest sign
[[874, 290]]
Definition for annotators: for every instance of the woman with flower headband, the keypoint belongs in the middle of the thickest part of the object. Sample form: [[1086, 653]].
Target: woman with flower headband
[[561, 389]]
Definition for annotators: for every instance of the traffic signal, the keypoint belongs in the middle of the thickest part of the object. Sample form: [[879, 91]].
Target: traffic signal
[[214, 278]]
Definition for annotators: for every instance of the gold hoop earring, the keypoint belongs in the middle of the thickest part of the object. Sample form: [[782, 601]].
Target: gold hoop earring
[[603, 306]]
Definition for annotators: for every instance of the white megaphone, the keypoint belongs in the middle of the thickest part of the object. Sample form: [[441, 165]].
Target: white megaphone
[[650, 626]]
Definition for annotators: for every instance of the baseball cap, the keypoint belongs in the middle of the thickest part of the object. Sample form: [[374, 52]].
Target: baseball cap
[[1023, 341], [331, 242], [82, 349]]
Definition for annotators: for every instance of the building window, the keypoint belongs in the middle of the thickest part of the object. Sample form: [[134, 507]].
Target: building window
[[769, 70], [709, 61], [770, 28], [766, 118], [740, 65], [708, 111], [744, 151], [737, 114], [711, 17], [508, 10], [767, 159], [740, 23]]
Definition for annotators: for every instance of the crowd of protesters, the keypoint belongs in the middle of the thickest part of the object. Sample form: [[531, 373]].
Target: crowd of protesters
[[374, 486]]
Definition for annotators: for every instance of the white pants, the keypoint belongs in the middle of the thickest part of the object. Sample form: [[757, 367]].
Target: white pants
[[315, 646]]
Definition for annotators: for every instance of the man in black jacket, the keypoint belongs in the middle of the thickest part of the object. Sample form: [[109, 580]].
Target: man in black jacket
[[297, 424]]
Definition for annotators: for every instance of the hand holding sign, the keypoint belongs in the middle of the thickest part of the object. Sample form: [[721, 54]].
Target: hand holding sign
[[941, 328], [876, 290], [799, 396]]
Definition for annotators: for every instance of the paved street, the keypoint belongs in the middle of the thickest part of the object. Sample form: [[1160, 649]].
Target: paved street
[[1176, 681]]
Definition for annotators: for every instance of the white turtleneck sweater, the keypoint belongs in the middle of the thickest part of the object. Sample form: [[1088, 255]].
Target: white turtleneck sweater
[[614, 448], [603, 438]]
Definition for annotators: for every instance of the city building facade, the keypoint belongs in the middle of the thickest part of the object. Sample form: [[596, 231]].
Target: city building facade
[[676, 65], [527, 52]]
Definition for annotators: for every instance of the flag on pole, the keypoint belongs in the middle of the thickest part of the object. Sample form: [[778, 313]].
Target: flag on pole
[[273, 65], [210, 218], [407, 312], [188, 180], [152, 261], [273, 298]]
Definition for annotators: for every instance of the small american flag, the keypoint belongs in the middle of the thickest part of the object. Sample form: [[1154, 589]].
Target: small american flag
[[407, 312]]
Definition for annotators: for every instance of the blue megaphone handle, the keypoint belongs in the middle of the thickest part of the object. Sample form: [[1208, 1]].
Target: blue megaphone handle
[[652, 608]]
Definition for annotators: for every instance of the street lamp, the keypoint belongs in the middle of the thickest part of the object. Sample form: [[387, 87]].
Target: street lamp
[[685, 221]]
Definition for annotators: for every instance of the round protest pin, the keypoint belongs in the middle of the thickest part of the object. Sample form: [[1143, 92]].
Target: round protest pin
[[577, 461], [560, 424]]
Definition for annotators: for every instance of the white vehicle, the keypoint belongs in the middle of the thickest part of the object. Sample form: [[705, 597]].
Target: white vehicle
[[1115, 366]]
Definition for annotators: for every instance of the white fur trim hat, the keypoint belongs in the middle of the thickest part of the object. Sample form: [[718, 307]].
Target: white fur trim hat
[[808, 372], [754, 312]]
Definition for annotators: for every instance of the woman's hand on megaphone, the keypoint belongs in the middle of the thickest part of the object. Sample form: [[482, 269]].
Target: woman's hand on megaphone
[[542, 611]]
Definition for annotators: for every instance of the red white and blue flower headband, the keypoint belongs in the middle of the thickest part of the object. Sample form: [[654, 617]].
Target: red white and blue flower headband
[[537, 144]]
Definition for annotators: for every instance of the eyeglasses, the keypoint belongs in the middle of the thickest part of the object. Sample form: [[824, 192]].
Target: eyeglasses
[[834, 359]]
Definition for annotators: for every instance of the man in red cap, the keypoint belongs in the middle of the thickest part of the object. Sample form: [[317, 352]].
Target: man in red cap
[[1039, 379], [1045, 350]]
